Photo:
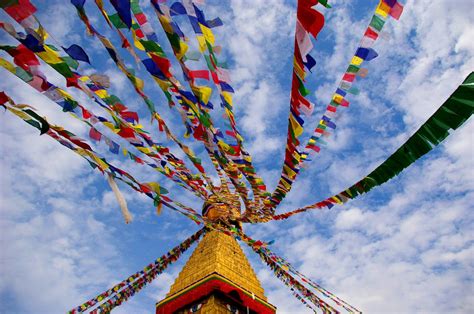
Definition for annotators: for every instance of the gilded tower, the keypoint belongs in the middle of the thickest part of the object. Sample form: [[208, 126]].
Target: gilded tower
[[216, 279]]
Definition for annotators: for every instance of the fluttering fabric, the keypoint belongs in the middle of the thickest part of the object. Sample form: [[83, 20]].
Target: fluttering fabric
[[95, 160], [192, 99], [295, 155], [456, 110]]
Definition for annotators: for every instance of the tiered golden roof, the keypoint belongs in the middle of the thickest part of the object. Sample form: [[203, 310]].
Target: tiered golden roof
[[218, 253]]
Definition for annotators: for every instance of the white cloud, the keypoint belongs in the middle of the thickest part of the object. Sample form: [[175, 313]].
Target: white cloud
[[349, 218]]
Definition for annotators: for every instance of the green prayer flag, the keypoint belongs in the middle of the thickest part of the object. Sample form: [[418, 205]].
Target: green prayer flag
[[116, 21], [377, 22]]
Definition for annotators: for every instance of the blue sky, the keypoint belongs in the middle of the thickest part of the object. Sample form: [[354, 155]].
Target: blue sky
[[405, 247]]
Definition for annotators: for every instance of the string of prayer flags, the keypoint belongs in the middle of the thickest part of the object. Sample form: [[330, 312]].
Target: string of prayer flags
[[148, 40], [288, 267], [119, 293], [364, 52], [51, 56], [69, 104], [281, 270], [221, 78], [158, 60], [189, 101], [456, 110], [80, 147], [309, 22], [225, 152]]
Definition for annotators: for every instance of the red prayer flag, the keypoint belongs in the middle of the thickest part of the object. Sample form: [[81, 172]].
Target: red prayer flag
[[311, 19], [141, 18], [126, 133], [396, 11], [215, 78], [94, 134], [203, 74], [23, 57], [315, 148], [230, 133], [3, 98], [349, 77], [371, 33], [129, 116], [72, 81], [163, 63], [331, 108], [85, 113], [139, 33], [20, 11]]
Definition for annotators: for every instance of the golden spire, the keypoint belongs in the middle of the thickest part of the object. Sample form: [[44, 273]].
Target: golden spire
[[218, 258]]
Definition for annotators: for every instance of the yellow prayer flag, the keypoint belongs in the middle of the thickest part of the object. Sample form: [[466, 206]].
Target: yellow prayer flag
[[202, 43], [166, 24], [7, 65], [356, 60], [102, 93], [19, 113], [155, 186], [110, 126], [285, 184], [296, 155], [297, 129], [136, 42], [299, 71], [208, 35], [100, 162], [382, 9], [139, 83], [145, 150], [49, 55], [223, 145], [42, 32], [64, 93], [228, 97], [289, 171], [183, 48], [204, 93], [163, 84], [337, 98], [84, 78], [336, 200]]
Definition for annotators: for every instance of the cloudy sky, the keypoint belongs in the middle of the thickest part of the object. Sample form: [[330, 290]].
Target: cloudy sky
[[407, 247]]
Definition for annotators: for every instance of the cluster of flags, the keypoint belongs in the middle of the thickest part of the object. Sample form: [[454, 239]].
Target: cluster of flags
[[296, 154], [456, 110], [192, 99]]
